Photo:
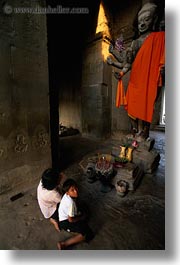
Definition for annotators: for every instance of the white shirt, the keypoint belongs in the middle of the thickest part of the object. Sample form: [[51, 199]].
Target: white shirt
[[48, 200], [67, 208]]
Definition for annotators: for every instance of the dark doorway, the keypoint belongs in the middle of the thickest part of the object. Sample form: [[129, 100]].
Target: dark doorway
[[67, 35]]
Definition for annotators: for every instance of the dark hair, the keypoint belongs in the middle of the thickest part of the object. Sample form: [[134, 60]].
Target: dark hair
[[67, 184], [50, 179]]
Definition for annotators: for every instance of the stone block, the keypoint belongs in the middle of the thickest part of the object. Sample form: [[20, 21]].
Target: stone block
[[149, 161], [131, 173]]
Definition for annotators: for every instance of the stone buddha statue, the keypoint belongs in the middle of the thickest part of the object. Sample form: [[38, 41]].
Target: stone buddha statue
[[145, 58]]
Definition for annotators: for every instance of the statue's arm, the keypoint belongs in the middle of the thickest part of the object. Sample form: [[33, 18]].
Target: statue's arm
[[113, 63], [126, 64], [124, 67], [130, 56], [117, 55]]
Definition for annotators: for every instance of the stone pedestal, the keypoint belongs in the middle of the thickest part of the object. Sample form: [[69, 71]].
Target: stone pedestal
[[143, 155], [147, 144], [131, 173], [148, 161]]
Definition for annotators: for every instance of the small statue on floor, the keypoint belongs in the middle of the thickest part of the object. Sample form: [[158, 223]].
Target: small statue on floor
[[121, 187]]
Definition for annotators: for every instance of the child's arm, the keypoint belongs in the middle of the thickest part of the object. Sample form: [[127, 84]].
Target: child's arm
[[76, 218]]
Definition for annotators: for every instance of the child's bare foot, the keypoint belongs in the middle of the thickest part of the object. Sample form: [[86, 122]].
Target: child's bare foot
[[60, 245]]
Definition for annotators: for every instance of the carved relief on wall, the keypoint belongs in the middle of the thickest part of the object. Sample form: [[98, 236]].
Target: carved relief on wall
[[18, 141], [40, 139], [21, 145]]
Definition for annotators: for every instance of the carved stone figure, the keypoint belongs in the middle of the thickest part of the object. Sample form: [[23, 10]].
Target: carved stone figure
[[40, 139], [145, 59], [21, 145]]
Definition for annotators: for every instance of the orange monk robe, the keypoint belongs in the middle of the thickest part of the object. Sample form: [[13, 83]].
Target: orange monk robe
[[143, 84], [120, 93]]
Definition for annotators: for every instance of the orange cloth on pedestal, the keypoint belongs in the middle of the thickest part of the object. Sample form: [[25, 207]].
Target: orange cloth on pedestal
[[143, 84]]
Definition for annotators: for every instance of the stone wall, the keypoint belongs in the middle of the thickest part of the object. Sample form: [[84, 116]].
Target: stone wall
[[96, 91], [24, 101]]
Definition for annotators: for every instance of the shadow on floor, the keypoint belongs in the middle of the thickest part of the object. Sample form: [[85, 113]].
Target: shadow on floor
[[73, 148]]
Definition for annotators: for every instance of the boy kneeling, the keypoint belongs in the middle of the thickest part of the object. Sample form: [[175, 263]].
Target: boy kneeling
[[70, 218]]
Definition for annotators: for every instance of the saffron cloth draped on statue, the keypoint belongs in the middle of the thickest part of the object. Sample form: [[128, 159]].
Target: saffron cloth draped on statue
[[120, 93], [143, 84]]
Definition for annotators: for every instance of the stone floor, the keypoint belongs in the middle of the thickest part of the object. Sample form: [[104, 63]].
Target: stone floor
[[134, 222]]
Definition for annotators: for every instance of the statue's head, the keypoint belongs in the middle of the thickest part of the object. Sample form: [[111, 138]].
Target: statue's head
[[147, 17]]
